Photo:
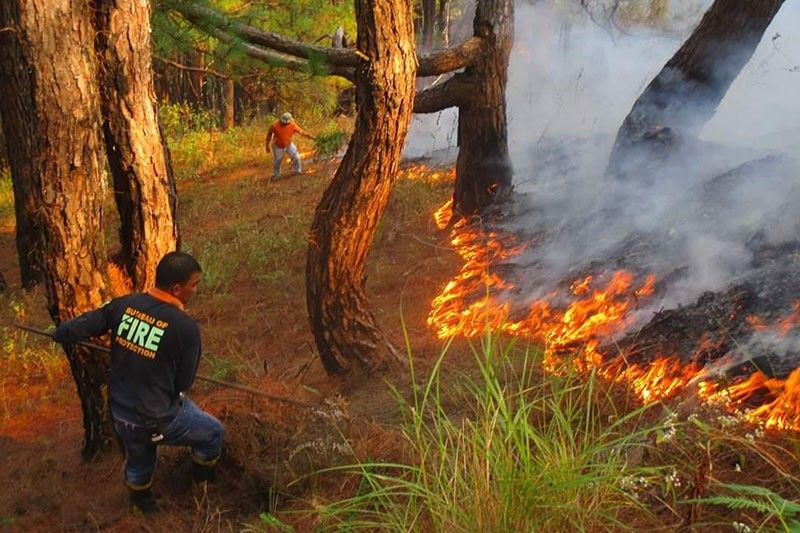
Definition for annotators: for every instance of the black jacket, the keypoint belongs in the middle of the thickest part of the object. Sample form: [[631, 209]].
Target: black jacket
[[155, 350]]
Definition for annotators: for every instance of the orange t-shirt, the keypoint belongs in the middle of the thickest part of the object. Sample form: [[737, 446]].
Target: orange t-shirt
[[283, 133]]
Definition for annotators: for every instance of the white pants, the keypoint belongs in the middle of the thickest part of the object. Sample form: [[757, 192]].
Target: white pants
[[277, 158]]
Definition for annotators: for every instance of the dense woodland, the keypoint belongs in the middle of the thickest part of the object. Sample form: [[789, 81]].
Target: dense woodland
[[341, 411]]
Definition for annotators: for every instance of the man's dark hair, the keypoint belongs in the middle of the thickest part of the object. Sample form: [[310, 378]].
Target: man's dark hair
[[175, 267]]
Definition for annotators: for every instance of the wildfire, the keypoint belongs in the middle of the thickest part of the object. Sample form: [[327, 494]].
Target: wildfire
[[450, 316], [780, 407], [426, 174], [478, 298], [443, 215]]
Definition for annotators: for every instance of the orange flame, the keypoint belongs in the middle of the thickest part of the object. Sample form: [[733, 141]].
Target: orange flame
[[780, 407], [473, 301], [443, 215], [428, 175]]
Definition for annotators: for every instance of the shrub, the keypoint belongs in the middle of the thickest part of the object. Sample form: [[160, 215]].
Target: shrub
[[328, 143], [179, 119]]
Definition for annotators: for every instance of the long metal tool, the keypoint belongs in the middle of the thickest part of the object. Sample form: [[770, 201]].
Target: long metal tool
[[216, 381]]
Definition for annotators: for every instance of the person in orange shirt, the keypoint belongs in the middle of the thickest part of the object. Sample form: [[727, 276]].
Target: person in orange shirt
[[279, 140]]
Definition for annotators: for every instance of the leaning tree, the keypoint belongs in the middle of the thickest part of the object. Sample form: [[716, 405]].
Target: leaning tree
[[347, 216], [685, 94], [63, 93], [343, 326]]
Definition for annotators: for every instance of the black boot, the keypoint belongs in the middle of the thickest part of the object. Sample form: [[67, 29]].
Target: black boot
[[142, 500], [204, 473]]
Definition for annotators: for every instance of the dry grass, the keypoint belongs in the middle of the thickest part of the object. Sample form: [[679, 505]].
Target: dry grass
[[250, 236]]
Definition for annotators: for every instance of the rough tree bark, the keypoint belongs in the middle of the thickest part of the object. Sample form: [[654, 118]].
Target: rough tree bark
[[348, 214], [64, 150], [144, 185], [685, 94], [483, 167], [18, 117]]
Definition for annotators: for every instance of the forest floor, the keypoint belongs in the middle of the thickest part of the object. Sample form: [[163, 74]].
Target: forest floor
[[249, 233]]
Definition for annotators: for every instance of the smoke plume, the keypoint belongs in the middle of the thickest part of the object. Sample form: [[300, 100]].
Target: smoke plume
[[702, 220]]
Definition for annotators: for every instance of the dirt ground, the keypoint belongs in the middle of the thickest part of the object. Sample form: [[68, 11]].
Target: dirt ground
[[255, 332]]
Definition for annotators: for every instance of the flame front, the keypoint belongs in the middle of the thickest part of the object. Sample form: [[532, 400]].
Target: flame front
[[478, 298]]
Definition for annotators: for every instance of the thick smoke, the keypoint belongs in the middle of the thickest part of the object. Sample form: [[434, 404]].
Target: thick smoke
[[699, 221], [703, 213]]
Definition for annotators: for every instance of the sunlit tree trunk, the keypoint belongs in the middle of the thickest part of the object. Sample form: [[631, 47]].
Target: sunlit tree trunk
[[688, 90], [144, 185], [348, 214], [64, 149], [229, 104]]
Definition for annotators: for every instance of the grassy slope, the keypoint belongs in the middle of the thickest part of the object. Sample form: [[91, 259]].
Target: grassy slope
[[492, 444]]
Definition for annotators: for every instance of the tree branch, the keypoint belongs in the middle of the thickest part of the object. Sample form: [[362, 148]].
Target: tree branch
[[451, 59], [210, 19], [181, 66], [455, 92], [274, 58]]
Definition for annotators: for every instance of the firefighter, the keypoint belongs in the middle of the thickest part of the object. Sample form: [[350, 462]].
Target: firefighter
[[155, 351], [279, 140]]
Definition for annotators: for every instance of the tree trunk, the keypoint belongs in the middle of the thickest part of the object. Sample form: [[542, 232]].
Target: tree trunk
[[144, 186], [483, 167], [65, 153], [686, 93], [229, 104], [442, 21], [428, 22], [348, 214], [18, 115]]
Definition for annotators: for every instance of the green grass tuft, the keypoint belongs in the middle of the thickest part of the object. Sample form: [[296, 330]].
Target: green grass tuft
[[527, 454]]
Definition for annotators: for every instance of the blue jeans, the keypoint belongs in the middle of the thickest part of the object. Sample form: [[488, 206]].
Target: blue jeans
[[191, 427], [277, 158]]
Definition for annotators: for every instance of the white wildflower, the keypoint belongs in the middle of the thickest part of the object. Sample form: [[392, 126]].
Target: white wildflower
[[672, 479], [727, 421]]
